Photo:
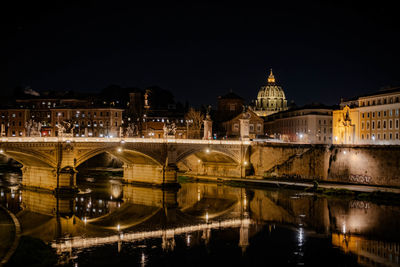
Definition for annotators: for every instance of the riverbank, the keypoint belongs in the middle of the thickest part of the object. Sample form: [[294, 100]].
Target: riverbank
[[10, 232], [298, 184]]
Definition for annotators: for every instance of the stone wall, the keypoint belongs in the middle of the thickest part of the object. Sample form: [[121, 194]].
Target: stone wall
[[378, 165]]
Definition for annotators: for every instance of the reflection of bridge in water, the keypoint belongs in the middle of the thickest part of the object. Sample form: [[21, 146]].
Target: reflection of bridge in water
[[138, 213]]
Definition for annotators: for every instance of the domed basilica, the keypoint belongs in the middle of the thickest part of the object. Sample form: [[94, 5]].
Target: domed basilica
[[270, 98]]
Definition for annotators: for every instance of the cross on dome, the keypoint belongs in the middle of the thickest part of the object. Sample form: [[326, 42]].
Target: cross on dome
[[271, 77]]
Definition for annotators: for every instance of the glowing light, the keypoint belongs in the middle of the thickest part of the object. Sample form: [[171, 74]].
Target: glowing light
[[1, 150], [85, 220], [198, 161], [207, 150], [245, 163], [344, 152], [118, 227], [301, 236], [207, 216], [344, 228], [336, 138], [301, 136], [188, 240], [119, 149]]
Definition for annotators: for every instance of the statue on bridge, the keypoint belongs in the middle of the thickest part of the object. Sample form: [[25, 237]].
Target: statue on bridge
[[33, 128], [66, 129], [169, 130]]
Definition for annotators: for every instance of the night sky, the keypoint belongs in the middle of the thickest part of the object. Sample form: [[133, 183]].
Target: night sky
[[319, 52]]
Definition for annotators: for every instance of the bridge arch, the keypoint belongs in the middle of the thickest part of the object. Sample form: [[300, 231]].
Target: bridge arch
[[204, 152], [28, 157], [126, 155]]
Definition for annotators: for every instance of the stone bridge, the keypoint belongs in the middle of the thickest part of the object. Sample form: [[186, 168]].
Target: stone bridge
[[51, 163]]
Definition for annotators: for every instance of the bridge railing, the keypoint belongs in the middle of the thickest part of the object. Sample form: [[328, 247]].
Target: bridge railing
[[122, 140]]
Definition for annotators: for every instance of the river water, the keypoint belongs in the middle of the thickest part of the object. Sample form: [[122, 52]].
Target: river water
[[202, 224]]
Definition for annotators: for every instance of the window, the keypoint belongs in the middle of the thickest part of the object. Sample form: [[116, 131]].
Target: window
[[397, 112], [390, 124], [251, 127], [390, 136], [259, 128], [379, 113], [116, 114], [379, 136], [384, 136], [362, 125], [373, 125], [362, 114], [319, 122], [373, 114], [397, 124], [368, 115], [378, 126], [235, 127], [397, 136], [367, 136], [391, 112], [362, 136], [232, 107], [384, 124], [384, 113]]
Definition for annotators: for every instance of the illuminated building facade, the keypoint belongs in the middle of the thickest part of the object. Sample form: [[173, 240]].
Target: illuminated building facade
[[13, 122], [270, 99], [373, 119], [309, 124], [89, 122]]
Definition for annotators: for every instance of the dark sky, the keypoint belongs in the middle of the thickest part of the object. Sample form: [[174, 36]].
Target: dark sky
[[319, 52]]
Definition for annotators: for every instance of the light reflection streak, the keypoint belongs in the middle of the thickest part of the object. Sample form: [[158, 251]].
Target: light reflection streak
[[81, 242]]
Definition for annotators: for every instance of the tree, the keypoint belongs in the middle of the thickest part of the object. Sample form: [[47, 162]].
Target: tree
[[194, 120]]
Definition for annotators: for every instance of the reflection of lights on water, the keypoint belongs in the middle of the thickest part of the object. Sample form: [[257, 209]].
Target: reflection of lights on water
[[188, 240], [111, 197], [2, 193], [300, 236], [118, 227], [207, 150], [143, 260], [119, 204], [12, 195], [207, 216], [85, 220], [76, 264], [344, 228], [198, 194], [81, 199]]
